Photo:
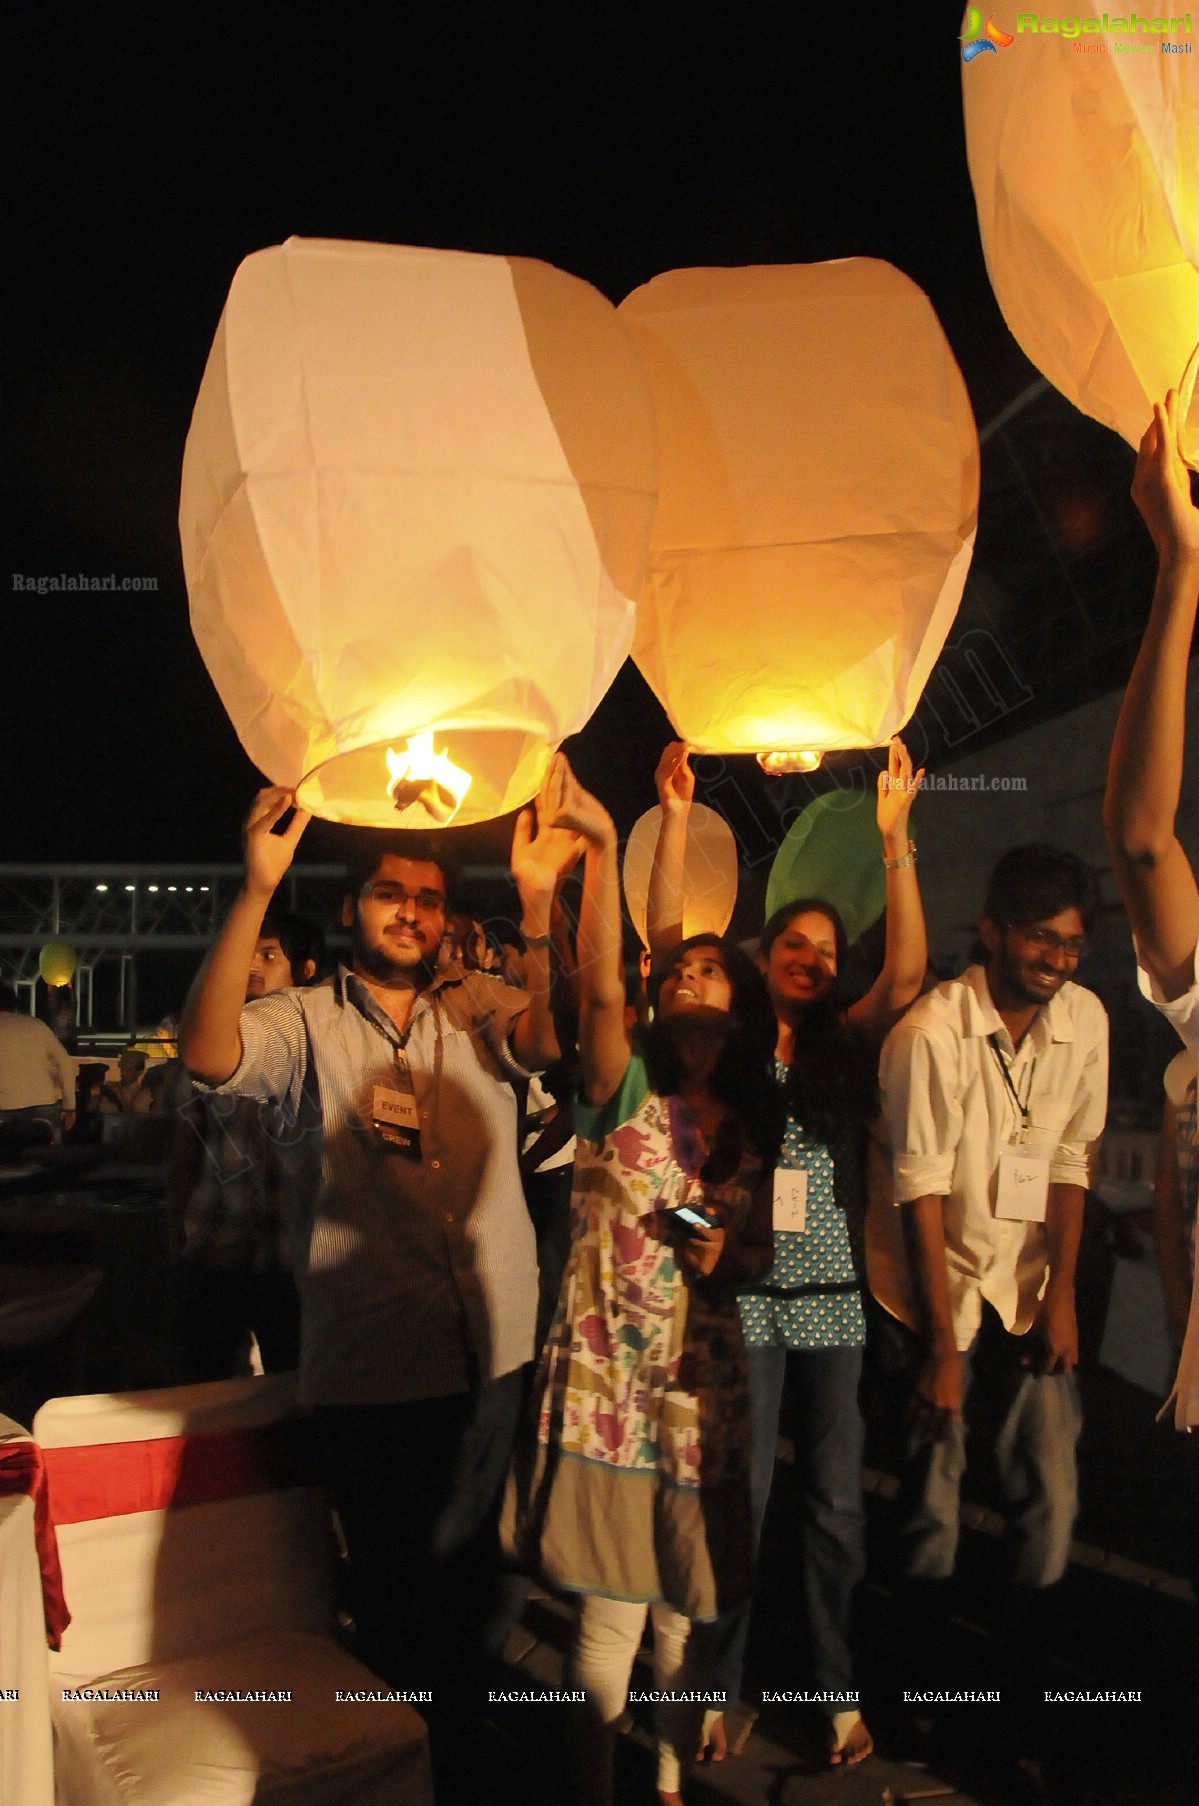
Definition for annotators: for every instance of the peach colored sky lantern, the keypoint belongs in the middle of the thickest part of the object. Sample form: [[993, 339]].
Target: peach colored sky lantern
[[1086, 178], [416, 498], [818, 473]]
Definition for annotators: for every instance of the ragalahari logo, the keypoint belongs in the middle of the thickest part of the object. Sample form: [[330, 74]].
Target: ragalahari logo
[[978, 37]]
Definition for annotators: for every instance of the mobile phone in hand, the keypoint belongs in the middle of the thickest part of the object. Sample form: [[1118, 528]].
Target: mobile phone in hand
[[694, 1216]]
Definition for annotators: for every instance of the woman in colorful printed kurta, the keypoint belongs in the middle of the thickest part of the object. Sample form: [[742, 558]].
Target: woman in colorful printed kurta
[[637, 1492], [805, 1315]]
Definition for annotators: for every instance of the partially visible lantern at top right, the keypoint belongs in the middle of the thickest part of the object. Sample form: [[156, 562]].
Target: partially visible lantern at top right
[[1086, 178]]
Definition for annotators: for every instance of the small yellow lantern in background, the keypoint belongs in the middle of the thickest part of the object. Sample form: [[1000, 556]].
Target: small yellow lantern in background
[[818, 469], [57, 962], [415, 515], [709, 871], [1086, 178]]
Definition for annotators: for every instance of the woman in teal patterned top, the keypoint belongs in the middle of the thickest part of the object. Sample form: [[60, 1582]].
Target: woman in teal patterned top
[[806, 1313]]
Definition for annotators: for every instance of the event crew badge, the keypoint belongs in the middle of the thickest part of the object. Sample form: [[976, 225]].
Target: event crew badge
[[790, 1199], [394, 1112], [1022, 1192]]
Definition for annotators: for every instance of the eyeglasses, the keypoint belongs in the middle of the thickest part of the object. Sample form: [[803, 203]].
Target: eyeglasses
[[1045, 940], [428, 902]]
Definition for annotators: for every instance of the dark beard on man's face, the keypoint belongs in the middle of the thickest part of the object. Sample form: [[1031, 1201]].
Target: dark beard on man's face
[[377, 963], [1009, 972]]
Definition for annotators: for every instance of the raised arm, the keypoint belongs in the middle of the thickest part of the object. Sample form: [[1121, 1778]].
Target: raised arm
[[603, 1044], [209, 1041], [542, 855], [667, 882], [1144, 776], [906, 949]]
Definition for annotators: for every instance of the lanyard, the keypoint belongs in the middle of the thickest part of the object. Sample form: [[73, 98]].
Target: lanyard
[[1005, 1069]]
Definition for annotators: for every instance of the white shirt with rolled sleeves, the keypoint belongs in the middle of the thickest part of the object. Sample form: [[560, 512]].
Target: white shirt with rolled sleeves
[[1183, 1012], [416, 1276], [948, 1114]]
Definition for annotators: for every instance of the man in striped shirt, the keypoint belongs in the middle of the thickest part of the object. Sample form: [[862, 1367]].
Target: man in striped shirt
[[416, 1259]]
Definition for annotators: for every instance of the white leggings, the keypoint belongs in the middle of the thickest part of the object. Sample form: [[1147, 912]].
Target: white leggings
[[601, 1661]]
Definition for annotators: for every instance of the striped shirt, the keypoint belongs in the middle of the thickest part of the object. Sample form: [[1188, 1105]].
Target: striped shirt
[[235, 1213], [416, 1275]]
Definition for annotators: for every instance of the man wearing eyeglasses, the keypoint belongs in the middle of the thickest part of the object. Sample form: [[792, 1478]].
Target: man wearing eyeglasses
[[417, 1264], [994, 1087]]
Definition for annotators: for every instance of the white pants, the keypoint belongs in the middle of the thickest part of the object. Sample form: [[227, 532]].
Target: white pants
[[601, 1661]]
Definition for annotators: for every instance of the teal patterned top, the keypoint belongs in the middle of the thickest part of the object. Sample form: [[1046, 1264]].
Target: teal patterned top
[[821, 1255]]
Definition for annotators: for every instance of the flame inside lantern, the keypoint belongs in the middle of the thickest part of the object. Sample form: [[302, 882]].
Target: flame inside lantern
[[420, 775], [786, 764]]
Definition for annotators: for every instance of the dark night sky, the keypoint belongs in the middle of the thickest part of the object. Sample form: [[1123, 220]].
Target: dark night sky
[[153, 148]]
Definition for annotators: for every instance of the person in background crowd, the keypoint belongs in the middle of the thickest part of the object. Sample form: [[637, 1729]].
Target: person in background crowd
[[1144, 783], [128, 1094], [162, 1079], [415, 1252], [994, 1089], [229, 1175], [89, 1085], [806, 1313], [636, 1493], [37, 1077]]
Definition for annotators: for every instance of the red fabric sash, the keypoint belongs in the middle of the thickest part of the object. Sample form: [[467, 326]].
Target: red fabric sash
[[111, 1479], [23, 1470]]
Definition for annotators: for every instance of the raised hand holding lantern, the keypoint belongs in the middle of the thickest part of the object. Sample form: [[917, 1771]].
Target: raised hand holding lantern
[[818, 473], [1086, 180], [414, 513]]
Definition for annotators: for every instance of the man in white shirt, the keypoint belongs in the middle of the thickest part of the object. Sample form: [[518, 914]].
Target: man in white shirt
[[1144, 780], [37, 1076], [994, 1086]]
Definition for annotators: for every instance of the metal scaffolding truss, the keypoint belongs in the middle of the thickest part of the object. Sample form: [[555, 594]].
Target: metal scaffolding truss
[[120, 908], [105, 911]]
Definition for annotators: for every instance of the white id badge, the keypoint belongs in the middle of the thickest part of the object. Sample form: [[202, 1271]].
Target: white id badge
[[1022, 1195], [790, 1198], [396, 1119]]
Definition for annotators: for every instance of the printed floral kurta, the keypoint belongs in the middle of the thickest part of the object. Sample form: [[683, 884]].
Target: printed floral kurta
[[638, 1488]]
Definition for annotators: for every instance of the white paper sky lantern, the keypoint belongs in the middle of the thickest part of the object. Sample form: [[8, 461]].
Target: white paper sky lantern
[[415, 512], [709, 871], [1086, 178], [818, 470]]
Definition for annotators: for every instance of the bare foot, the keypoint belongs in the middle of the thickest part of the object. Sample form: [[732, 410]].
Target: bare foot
[[713, 1739], [850, 1744], [669, 1799]]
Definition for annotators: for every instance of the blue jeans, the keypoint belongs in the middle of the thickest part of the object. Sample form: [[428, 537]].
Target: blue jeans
[[829, 1442], [1034, 1420]]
